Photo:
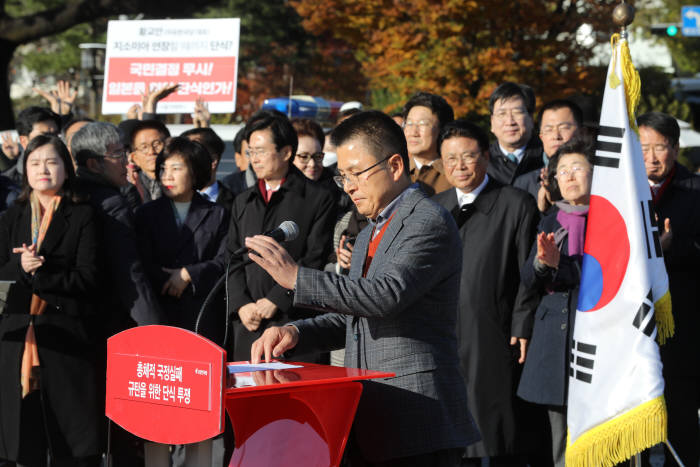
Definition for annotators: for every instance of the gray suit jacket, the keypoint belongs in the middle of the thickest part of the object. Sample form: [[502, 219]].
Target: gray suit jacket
[[400, 318]]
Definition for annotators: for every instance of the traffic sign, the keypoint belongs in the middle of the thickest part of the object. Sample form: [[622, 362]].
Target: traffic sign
[[691, 20]]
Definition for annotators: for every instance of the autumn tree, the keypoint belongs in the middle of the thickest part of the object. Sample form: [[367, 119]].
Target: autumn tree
[[462, 49], [275, 48]]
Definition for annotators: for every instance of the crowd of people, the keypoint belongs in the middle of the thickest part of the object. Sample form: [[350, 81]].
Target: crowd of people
[[424, 250]]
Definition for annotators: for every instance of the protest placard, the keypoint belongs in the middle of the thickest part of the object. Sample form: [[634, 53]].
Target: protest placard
[[199, 54]]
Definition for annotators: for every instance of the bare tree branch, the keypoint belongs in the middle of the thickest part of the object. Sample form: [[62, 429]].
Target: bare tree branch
[[52, 21]]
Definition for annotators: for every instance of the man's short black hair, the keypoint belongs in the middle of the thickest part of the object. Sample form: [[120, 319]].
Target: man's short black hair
[[34, 114], [238, 140], [377, 131], [437, 104], [147, 125], [209, 139], [465, 129], [196, 158], [562, 104], [283, 133], [509, 90], [662, 123]]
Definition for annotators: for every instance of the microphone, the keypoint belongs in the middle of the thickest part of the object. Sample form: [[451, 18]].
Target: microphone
[[286, 232]]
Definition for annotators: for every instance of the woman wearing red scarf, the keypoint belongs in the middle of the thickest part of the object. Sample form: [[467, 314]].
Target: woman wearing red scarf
[[50, 403]]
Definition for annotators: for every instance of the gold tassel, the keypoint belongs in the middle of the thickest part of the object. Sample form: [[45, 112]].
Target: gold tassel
[[664, 318], [633, 86], [632, 82], [620, 438], [614, 80]]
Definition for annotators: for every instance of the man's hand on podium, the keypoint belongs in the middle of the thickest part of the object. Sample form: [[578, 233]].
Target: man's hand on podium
[[274, 342]]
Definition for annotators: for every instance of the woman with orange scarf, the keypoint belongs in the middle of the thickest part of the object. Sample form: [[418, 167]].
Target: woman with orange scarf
[[50, 349]]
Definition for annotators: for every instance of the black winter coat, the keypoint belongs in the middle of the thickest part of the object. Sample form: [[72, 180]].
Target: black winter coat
[[198, 245], [681, 204], [128, 295], [496, 239], [546, 370], [71, 351], [506, 171], [299, 199]]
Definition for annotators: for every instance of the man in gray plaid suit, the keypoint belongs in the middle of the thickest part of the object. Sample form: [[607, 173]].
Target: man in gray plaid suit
[[395, 311]]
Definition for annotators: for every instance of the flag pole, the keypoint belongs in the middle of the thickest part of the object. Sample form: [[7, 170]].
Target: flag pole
[[623, 15], [673, 452]]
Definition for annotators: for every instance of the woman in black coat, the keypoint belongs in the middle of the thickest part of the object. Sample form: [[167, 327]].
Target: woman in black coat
[[182, 237], [51, 352], [554, 270]]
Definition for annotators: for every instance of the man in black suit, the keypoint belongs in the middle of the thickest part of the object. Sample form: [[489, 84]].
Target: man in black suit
[[101, 158], [517, 150], [676, 197], [281, 193], [497, 224], [559, 120]]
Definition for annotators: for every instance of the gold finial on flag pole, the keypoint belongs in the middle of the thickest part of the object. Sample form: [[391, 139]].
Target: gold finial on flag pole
[[623, 15]]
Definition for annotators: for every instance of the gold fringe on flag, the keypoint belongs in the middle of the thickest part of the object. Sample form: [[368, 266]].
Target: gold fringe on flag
[[632, 82], [621, 438], [665, 325]]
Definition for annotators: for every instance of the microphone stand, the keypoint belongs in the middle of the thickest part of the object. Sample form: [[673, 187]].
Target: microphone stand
[[223, 280]]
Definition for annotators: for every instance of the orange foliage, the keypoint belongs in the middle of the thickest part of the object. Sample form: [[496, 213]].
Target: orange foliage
[[462, 49]]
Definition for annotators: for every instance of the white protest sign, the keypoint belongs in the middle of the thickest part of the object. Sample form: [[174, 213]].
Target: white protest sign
[[199, 54]]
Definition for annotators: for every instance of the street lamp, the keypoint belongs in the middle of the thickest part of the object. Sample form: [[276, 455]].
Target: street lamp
[[92, 66]]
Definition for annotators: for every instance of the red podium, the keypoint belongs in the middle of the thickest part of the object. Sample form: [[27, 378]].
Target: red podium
[[169, 385]]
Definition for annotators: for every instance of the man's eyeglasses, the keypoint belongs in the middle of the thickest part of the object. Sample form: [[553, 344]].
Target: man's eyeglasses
[[420, 124], [118, 155], [517, 113], [156, 146], [305, 157], [467, 158], [342, 180]]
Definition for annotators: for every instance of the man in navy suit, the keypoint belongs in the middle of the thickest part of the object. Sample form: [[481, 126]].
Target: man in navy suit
[[395, 311]]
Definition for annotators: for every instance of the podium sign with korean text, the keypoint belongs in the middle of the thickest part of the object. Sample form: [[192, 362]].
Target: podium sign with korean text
[[199, 54], [165, 384]]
